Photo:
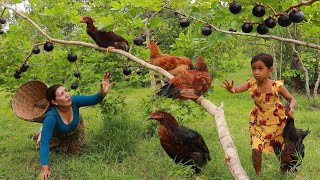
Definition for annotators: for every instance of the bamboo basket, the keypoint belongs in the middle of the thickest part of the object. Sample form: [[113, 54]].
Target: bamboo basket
[[29, 101]]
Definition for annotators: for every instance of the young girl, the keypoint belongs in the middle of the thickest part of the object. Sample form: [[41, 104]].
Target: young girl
[[267, 117]]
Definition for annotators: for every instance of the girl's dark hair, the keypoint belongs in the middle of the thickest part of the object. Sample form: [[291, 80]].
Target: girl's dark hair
[[51, 92], [267, 59]]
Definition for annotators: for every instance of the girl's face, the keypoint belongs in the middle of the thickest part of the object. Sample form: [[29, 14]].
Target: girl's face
[[62, 97], [260, 71]]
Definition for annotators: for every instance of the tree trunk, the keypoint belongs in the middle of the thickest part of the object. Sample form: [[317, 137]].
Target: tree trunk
[[275, 63], [316, 86], [297, 62]]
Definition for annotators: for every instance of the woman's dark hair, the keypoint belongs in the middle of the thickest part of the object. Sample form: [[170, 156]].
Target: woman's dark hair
[[51, 92], [267, 59]]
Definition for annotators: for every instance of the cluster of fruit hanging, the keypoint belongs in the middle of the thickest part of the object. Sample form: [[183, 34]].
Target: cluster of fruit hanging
[[48, 46], [259, 10]]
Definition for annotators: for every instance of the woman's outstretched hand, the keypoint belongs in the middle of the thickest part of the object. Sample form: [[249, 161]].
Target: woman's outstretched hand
[[105, 84], [45, 173], [229, 86]]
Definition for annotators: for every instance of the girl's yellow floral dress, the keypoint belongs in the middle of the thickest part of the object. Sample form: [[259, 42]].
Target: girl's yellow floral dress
[[267, 117]]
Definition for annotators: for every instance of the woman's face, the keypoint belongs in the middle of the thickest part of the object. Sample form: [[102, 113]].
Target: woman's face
[[62, 97]]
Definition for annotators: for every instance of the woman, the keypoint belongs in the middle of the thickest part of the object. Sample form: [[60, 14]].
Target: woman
[[63, 127]]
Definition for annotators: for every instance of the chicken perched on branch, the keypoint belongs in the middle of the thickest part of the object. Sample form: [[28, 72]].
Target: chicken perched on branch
[[182, 144], [173, 64], [104, 39], [291, 152], [190, 84]]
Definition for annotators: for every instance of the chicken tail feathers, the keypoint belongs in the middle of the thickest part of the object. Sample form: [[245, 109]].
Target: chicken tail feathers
[[169, 91]]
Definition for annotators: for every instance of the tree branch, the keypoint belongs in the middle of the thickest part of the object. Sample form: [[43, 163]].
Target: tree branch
[[298, 5]]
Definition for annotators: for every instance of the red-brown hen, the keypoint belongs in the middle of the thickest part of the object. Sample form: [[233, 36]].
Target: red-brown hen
[[183, 145], [103, 38], [173, 64], [190, 84]]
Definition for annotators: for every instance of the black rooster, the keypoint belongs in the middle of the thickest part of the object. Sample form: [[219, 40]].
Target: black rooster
[[291, 152], [183, 145], [104, 39]]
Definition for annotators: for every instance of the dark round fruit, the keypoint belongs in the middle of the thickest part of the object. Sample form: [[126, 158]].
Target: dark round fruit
[[284, 20], [48, 46], [184, 22], [18, 71], [258, 10], [72, 57], [206, 30], [235, 7], [296, 15], [17, 76], [262, 29], [1, 31], [77, 74], [35, 50], [126, 71], [270, 22], [138, 71], [138, 41], [24, 67], [247, 27], [74, 85], [3, 20]]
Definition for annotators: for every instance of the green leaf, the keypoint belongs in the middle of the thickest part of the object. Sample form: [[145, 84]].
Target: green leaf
[[115, 5]]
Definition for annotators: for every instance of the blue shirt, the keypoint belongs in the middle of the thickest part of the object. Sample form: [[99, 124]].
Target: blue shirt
[[53, 122]]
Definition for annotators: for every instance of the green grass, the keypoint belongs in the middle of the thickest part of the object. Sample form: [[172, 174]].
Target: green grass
[[127, 147]]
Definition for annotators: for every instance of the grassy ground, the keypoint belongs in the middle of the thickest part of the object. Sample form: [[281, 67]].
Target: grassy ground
[[124, 147]]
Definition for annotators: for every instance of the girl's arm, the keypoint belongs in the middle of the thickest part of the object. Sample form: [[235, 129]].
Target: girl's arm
[[235, 89], [286, 94]]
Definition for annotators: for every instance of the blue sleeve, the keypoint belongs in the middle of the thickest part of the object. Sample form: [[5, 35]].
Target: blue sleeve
[[87, 100], [46, 135]]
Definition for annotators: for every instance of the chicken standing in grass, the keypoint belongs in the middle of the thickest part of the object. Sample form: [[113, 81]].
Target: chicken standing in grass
[[190, 84], [182, 144], [103, 38], [173, 64], [291, 152]]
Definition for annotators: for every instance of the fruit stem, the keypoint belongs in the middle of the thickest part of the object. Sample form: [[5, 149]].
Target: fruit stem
[[274, 12], [3, 11], [26, 59], [68, 50]]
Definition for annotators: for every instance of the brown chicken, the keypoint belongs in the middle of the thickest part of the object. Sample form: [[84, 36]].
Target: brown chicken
[[291, 152], [190, 84], [104, 39], [183, 145], [173, 64]]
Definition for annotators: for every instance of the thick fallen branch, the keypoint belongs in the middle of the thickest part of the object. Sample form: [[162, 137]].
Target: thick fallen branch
[[232, 160], [231, 155]]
